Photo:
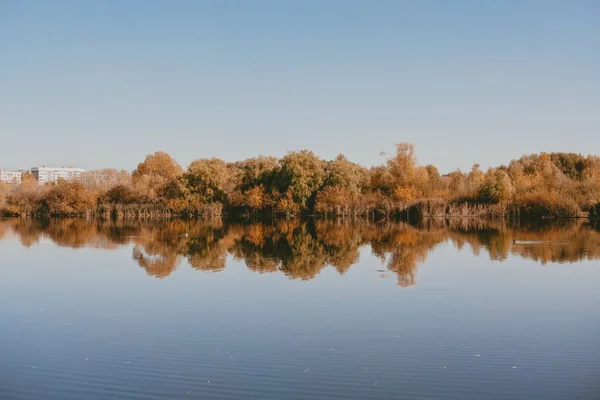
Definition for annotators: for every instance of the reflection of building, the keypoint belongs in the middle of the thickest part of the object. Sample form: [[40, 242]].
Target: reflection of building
[[50, 175], [10, 176]]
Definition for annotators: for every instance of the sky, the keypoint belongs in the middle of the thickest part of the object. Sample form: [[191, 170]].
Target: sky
[[103, 84]]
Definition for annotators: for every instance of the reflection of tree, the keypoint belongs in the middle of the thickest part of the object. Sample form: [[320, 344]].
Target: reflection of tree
[[4, 230], [293, 249], [342, 241], [405, 247], [302, 249], [554, 243], [158, 247], [77, 233], [158, 265], [29, 231], [208, 247], [301, 257]]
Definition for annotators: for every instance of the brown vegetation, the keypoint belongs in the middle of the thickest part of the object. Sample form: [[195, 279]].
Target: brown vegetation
[[545, 185]]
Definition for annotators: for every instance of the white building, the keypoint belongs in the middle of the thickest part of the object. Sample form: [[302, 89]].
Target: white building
[[8, 176], [50, 174]]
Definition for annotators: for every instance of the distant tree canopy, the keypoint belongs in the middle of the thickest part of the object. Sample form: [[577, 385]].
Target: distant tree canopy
[[545, 184]]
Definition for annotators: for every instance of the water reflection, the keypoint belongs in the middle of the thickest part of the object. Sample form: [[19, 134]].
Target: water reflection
[[302, 249]]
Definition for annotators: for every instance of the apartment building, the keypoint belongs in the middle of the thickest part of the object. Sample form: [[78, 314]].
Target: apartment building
[[9, 176], [51, 174]]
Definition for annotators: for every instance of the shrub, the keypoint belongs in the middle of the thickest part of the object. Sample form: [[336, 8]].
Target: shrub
[[67, 199], [544, 205]]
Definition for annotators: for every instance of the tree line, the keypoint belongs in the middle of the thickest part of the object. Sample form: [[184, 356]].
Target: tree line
[[301, 183]]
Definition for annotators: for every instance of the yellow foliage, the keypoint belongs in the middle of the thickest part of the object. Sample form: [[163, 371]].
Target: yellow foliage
[[406, 194], [256, 197]]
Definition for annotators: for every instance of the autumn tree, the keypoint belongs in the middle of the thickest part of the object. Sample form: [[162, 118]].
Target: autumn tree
[[428, 182], [456, 184], [570, 164], [403, 165], [119, 194], [259, 171], [23, 198], [104, 179], [402, 170], [496, 188], [345, 174], [68, 199], [475, 179], [301, 175], [5, 188], [343, 185], [151, 175], [210, 180]]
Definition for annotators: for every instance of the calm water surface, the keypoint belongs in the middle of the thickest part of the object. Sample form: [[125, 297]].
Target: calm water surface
[[322, 310]]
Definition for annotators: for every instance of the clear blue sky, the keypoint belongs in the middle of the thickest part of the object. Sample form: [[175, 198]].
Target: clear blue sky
[[102, 84]]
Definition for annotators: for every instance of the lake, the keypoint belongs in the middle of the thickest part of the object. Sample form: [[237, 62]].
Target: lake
[[448, 309]]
